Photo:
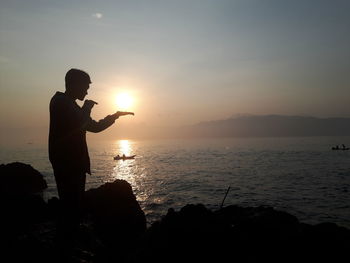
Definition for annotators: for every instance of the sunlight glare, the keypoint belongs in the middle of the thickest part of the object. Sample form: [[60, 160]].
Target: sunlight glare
[[125, 147], [124, 101], [124, 169]]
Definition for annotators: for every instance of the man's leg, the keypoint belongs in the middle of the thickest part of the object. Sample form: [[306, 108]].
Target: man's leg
[[70, 193], [81, 196]]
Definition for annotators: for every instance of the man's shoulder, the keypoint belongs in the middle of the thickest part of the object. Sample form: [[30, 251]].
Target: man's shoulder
[[59, 95], [59, 99]]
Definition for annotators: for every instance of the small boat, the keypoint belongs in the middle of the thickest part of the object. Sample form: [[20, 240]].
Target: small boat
[[124, 157], [340, 149]]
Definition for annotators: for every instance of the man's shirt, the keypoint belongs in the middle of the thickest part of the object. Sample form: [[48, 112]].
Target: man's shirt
[[67, 136]]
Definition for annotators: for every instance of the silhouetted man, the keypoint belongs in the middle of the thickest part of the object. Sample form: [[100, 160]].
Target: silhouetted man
[[68, 150]]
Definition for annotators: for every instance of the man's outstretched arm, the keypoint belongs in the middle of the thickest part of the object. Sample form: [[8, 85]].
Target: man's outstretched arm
[[98, 126]]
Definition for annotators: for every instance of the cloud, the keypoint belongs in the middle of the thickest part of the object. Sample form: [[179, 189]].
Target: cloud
[[97, 15]]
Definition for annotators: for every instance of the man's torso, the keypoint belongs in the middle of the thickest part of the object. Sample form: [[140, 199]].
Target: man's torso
[[67, 138]]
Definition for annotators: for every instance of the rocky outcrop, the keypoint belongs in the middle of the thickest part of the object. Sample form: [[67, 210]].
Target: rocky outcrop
[[23, 210], [115, 231], [19, 178], [196, 234], [113, 220], [116, 214], [20, 205]]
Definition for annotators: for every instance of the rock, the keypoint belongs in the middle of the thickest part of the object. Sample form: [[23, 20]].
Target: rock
[[19, 178], [20, 215], [115, 229], [114, 219], [21, 206], [252, 234], [116, 214]]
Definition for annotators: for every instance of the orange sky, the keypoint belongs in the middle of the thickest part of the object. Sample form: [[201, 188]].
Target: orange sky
[[182, 62]]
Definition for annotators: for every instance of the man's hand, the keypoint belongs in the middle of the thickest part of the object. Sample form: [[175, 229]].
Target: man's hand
[[121, 113], [88, 104], [113, 117]]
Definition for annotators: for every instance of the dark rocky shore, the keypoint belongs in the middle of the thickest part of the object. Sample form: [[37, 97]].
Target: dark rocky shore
[[114, 229]]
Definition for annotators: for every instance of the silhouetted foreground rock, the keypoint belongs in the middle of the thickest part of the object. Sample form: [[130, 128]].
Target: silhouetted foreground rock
[[196, 234], [22, 209], [20, 178], [20, 206], [116, 214], [113, 220], [114, 230]]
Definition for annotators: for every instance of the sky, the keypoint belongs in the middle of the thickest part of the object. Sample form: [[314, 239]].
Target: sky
[[182, 62]]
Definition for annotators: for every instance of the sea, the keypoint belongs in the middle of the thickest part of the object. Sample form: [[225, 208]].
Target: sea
[[300, 175]]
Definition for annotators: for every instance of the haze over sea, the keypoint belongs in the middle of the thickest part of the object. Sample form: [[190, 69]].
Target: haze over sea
[[300, 175]]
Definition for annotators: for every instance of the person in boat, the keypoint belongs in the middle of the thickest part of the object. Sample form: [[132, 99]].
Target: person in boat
[[343, 146], [124, 156], [337, 147]]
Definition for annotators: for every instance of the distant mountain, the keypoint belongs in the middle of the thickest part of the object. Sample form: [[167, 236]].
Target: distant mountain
[[269, 126]]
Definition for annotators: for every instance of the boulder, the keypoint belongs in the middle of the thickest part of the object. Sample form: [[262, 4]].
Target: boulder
[[21, 213], [233, 233], [19, 178], [115, 212], [20, 204]]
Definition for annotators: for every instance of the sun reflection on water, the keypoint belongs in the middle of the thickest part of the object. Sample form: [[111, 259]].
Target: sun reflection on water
[[130, 170], [125, 147], [123, 169]]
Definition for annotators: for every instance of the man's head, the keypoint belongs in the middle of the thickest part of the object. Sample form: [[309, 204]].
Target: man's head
[[77, 83]]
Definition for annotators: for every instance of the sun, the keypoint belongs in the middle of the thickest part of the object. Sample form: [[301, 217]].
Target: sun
[[124, 101]]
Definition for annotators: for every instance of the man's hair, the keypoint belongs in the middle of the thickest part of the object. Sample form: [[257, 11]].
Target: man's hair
[[76, 76]]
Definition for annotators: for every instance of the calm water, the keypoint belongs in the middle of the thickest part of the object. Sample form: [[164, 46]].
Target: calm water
[[299, 175]]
